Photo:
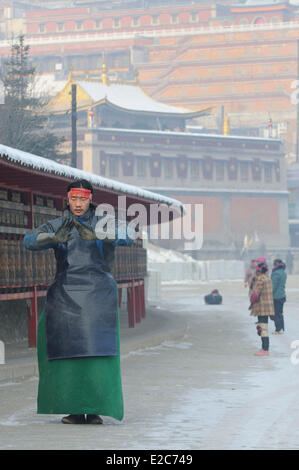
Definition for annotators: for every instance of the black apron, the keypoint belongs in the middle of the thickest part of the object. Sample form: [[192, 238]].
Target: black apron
[[81, 304]]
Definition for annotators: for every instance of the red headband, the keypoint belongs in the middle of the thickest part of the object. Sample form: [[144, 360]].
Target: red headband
[[80, 192]]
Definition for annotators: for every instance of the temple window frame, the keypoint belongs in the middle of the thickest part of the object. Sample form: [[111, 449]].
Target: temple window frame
[[141, 167], [244, 175], [219, 175], [268, 173], [113, 166], [193, 16], [168, 169], [194, 168]]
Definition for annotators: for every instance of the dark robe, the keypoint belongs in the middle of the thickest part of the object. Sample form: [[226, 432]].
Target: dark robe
[[81, 304]]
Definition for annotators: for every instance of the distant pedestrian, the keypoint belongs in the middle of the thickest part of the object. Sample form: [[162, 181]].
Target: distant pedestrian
[[250, 274], [261, 259], [278, 278], [290, 262], [262, 305], [214, 298]]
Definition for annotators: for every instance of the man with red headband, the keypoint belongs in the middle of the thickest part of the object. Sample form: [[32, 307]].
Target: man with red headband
[[78, 332]]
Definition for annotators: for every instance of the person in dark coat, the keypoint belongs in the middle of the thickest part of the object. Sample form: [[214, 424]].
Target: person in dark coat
[[214, 298], [278, 278], [78, 332]]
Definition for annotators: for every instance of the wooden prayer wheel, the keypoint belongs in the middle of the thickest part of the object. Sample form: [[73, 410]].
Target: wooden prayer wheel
[[17, 256], [11, 261], [4, 278], [28, 267]]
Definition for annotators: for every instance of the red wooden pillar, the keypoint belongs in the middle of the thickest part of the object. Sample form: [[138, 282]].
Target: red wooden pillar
[[137, 303], [119, 297], [32, 320], [137, 297], [142, 295], [131, 306]]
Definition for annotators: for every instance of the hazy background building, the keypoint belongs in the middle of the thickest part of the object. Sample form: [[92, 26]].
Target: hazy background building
[[238, 58]]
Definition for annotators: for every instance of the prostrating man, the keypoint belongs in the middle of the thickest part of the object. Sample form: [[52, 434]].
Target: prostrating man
[[214, 298]]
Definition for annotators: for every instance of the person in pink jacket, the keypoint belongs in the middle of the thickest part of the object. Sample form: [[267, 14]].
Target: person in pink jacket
[[262, 304]]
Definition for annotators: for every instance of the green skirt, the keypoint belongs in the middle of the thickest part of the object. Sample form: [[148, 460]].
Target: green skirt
[[88, 385]]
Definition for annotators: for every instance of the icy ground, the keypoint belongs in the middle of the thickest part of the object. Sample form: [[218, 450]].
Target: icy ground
[[205, 390], [254, 405]]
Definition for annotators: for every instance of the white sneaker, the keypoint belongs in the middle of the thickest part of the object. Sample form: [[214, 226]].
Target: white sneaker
[[277, 332]]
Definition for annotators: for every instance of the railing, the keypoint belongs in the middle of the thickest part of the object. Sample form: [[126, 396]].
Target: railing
[[27, 275], [152, 33], [135, 303]]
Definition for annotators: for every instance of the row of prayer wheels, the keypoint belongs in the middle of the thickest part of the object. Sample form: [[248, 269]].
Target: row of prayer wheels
[[21, 268]]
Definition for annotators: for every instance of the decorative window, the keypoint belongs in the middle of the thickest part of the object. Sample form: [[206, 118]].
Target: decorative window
[[259, 20], [244, 171], [79, 24], [219, 170], [113, 166], [155, 19], [141, 167], [60, 26], [42, 28], [116, 22], [194, 169], [135, 20], [268, 173], [174, 18], [275, 19], [168, 168], [243, 21], [193, 17]]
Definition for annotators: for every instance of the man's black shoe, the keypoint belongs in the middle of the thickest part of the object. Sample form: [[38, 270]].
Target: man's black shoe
[[73, 419], [94, 419]]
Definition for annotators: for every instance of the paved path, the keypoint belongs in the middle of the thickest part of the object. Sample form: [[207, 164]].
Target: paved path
[[202, 390]]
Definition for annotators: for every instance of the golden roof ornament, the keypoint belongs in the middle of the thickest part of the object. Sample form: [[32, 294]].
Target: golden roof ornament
[[105, 79], [225, 126]]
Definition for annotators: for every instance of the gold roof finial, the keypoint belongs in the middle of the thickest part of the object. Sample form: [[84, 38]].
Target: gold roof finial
[[225, 126], [105, 79]]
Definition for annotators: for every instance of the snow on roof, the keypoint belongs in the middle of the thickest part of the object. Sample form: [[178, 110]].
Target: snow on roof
[[157, 254], [44, 85], [278, 192], [47, 85], [49, 166], [190, 135], [129, 97], [249, 3]]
